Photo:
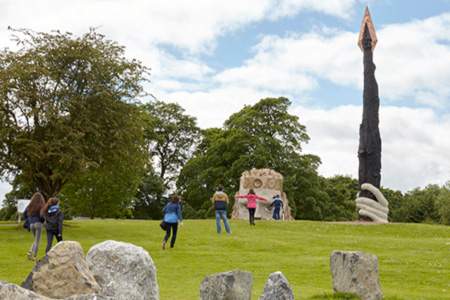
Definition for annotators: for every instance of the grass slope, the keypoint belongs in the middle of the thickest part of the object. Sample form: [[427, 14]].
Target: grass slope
[[414, 259]]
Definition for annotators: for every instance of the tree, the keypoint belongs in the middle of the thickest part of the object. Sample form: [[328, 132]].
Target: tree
[[62, 107], [171, 137], [107, 189], [264, 135]]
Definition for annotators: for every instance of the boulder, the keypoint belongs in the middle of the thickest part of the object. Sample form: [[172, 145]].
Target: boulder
[[357, 273], [12, 291], [277, 288], [123, 271], [89, 297], [63, 272], [233, 285]]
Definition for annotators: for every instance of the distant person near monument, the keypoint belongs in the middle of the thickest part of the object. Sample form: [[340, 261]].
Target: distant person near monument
[[266, 183], [54, 218], [251, 204], [220, 200], [33, 216], [277, 205], [172, 216]]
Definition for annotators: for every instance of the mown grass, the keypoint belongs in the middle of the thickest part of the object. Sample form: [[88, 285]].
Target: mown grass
[[414, 259]]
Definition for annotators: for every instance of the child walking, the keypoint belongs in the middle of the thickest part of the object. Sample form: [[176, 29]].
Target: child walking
[[251, 204], [54, 218]]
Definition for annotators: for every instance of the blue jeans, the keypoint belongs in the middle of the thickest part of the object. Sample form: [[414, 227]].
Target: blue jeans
[[276, 213], [222, 214]]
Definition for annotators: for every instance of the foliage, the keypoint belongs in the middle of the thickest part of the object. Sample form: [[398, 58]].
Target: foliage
[[107, 190], [171, 137], [148, 202], [264, 135], [300, 249], [61, 105]]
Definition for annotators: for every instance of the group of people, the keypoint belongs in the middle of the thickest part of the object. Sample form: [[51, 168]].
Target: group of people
[[39, 214], [173, 212]]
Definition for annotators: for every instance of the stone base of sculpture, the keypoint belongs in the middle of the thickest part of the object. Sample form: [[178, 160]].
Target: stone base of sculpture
[[376, 211], [266, 183]]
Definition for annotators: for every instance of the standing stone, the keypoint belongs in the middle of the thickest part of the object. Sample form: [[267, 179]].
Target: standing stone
[[89, 297], [62, 273], [277, 288], [233, 285], [12, 291], [356, 272], [123, 271]]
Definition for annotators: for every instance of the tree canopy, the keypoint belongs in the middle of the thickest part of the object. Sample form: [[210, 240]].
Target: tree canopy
[[63, 107]]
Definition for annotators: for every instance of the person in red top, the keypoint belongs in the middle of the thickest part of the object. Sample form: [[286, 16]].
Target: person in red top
[[251, 204]]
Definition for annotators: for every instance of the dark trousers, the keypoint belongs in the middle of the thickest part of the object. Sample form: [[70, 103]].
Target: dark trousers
[[174, 228], [276, 213], [50, 235], [251, 215]]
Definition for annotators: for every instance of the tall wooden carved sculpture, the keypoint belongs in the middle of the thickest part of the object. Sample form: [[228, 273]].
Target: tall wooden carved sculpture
[[370, 202]]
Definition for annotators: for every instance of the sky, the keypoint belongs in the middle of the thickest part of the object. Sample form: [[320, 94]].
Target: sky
[[213, 57]]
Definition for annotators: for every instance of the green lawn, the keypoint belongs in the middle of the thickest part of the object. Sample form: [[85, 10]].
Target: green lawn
[[414, 259]]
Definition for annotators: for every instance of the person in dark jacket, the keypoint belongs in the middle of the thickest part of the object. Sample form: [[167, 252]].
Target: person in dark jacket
[[54, 218], [172, 216], [33, 215], [277, 204], [220, 200]]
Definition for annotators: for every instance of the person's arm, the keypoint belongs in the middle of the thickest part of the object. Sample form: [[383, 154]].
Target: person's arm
[[60, 223], [180, 217], [240, 196], [226, 198], [261, 198]]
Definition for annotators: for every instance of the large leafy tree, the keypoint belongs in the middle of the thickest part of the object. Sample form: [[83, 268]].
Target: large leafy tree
[[171, 137], [264, 135], [62, 108]]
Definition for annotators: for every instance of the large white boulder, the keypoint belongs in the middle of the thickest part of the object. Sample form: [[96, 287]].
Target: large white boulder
[[123, 271], [233, 285], [357, 273], [277, 288], [62, 273]]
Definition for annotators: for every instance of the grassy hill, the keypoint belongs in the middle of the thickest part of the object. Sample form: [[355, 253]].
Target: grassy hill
[[414, 259]]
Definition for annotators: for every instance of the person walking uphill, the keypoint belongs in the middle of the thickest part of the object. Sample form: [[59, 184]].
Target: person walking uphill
[[172, 216], [33, 215], [251, 204], [220, 200], [54, 218]]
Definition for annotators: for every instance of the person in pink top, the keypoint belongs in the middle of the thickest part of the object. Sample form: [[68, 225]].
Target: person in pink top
[[251, 204]]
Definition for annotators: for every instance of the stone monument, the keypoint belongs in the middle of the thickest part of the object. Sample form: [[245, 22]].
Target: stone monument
[[370, 202], [266, 183]]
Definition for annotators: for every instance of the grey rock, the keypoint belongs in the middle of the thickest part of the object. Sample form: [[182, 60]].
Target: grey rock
[[63, 272], [12, 291], [356, 272], [89, 297], [277, 288], [123, 271], [233, 285]]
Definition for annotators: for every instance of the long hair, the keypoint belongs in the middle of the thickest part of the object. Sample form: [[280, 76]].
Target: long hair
[[36, 204], [175, 199], [52, 201], [251, 191]]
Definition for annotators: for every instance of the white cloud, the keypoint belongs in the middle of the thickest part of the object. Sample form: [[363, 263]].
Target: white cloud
[[413, 61], [415, 143]]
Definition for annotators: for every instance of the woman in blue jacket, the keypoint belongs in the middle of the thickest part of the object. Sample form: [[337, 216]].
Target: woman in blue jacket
[[172, 216]]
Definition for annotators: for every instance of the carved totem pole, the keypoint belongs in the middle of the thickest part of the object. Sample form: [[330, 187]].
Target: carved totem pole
[[370, 201]]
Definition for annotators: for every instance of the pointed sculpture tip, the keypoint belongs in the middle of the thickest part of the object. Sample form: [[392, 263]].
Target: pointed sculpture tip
[[367, 21]]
